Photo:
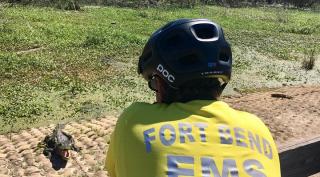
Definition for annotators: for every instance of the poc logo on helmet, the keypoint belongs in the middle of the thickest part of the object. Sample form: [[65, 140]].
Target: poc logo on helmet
[[165, 73]]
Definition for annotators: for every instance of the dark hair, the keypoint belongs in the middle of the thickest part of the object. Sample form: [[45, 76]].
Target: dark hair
[[200, 89]]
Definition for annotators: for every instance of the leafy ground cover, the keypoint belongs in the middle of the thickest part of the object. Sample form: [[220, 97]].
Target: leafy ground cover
[[59, 65]]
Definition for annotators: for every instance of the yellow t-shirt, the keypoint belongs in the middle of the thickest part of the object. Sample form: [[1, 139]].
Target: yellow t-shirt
[[199, 138]]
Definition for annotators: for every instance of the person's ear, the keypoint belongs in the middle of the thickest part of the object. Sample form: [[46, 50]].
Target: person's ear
[[160, 89]]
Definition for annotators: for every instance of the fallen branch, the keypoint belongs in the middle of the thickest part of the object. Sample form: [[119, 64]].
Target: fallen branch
[[280, 95]]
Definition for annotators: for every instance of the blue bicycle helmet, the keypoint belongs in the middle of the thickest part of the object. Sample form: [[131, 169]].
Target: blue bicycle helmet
[[185, 50]]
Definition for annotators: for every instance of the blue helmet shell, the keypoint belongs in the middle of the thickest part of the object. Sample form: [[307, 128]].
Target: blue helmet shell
[[186, 49]]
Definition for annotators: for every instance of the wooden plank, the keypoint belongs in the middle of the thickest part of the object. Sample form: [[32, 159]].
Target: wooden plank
[[300, 159]]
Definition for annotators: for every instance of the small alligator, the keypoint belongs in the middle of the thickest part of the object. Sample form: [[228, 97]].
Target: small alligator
[[59, 143]]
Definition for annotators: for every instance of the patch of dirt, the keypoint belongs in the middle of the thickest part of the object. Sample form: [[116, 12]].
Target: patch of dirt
[[291, 113]]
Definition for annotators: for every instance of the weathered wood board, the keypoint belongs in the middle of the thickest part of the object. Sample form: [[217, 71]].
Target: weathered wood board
[[300, 159]]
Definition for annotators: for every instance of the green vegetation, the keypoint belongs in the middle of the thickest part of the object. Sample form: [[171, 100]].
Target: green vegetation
[[75, 4], [60, 65]]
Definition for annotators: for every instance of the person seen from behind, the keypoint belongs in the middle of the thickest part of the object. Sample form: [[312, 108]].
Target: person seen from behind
[[189, 131]]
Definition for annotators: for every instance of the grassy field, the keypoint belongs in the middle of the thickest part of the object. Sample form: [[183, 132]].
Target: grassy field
[[62, 65]]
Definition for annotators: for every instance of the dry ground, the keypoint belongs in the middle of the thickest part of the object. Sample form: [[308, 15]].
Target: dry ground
[[293, 114]]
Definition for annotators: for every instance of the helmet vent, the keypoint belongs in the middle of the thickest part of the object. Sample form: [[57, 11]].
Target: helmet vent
[[173, 41], [224, 55], [205, 31], [142, 60], [147, 56], [189, 60]]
